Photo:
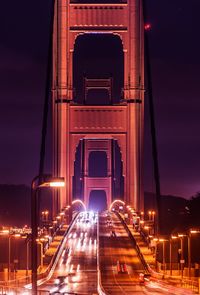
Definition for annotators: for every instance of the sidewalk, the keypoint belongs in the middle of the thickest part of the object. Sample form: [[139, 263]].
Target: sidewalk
[[175, 279], [53, 247], [48, 255], [145, 250]]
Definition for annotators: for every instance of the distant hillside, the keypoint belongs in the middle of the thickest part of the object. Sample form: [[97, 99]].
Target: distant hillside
[[15, 205], [174, 211]]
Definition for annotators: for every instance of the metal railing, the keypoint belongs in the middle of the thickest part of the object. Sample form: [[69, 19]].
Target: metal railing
[[16, 284], [140, 256], [99, 284]]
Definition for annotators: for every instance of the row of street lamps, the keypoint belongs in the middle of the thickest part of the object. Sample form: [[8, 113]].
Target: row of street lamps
[[10, 235], [149, 227], [181, 250]]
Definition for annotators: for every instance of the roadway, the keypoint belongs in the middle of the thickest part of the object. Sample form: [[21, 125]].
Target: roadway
[[120, 265], [76, 271]]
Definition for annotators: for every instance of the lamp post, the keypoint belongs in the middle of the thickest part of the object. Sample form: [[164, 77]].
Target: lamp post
[[28, 240], [150, 215], [147, 229], [156, 241], [172, 238], [191, 232], [163, 260], [153, 220], [181, 236], [7, 232], [40, 242], [47, 181]]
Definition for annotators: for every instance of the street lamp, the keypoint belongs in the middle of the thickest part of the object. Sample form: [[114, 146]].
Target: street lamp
[[164, 260], [156, 241], [153, 220], [47, 181], [6, 232], [181, 236], [191, 232], [147, 229], [45, 215], [150, 214], [27, 240], [172, 238], [40, 242], [153, 215]]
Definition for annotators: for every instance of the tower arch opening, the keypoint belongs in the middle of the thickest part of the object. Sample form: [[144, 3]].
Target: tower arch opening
[[78, 173], [98, 200], [118, 173], [98, 56], [97, 164]]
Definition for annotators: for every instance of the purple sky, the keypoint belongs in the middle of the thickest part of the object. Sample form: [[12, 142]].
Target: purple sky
[[175, 53]]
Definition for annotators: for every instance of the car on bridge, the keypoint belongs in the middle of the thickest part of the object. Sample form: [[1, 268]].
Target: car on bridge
[[61, 280], [121, 268], [144, 277]]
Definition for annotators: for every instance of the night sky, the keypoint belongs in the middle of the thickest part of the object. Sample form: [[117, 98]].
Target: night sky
[[175, 58]]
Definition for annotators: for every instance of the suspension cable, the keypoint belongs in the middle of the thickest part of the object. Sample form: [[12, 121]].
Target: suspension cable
[[46, 99], [152, 121]]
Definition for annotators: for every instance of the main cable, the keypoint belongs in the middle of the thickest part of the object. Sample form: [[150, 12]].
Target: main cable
[[152, 121], [46, 99]]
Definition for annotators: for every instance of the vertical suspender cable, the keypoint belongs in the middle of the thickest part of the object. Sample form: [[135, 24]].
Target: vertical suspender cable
[[152, 122], [46, 99]]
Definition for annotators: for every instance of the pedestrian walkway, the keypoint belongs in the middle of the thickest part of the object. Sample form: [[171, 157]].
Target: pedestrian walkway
[[144, 248], [23, 275], [149, 256], [53, 246]]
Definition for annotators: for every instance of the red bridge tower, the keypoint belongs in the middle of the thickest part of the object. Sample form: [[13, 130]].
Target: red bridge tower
[[90, 126]]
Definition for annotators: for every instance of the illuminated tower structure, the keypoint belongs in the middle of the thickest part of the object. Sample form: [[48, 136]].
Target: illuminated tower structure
[[95, 127]]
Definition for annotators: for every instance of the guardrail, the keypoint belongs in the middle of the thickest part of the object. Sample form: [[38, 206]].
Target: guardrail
[[99, 284], [44, 276], [193, 285], [184, 283], [140, 256]]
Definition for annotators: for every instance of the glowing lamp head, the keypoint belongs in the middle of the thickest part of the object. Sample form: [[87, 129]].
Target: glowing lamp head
[[194, 231], [162, 240], [5, 232], [181, 235], [57, 184], [49, 181]]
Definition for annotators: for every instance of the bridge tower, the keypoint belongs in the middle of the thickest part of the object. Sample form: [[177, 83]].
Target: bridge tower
[[97, 126]]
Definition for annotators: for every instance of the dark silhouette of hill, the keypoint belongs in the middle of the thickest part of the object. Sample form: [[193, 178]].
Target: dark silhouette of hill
[[15, 205], [175, 212]]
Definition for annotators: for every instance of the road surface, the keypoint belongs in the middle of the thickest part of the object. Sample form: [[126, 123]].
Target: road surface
[[120, 265], [76, 272]]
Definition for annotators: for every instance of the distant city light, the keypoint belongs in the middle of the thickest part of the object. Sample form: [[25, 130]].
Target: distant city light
[[147, 27]]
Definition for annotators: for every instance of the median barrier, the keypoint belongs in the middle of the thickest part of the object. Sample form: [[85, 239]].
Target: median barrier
[[99, 284]]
